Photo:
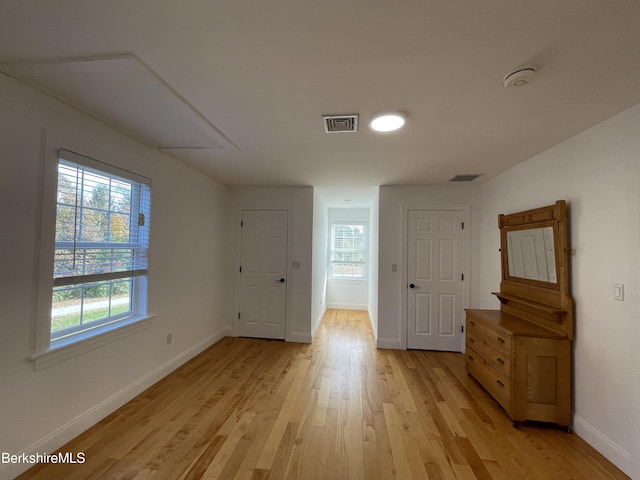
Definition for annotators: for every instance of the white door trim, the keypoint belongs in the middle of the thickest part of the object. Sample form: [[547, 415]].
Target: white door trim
[[466, 260]]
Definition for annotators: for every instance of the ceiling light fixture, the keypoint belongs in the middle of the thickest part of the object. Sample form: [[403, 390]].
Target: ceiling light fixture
[[388, 121]]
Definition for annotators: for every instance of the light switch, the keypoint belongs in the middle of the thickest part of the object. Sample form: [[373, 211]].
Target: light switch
[[618, 291]]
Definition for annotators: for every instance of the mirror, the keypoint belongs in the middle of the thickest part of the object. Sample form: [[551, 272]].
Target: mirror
[[531, 254], [534, 247], [535, 267]]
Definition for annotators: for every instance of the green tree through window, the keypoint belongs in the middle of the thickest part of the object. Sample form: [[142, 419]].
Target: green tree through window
[[101, 245]]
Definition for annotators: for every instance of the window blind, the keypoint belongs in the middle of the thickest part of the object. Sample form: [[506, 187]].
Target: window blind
[[102, 221]]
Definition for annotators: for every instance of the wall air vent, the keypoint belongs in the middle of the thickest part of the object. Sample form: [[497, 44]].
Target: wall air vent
[[340, 123], [467, 177]]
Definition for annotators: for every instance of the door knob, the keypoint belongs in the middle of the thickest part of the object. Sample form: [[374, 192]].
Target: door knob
[[282, 280], [413, 285]]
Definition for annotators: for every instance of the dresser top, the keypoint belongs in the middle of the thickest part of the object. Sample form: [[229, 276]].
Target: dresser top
[[513, 325]]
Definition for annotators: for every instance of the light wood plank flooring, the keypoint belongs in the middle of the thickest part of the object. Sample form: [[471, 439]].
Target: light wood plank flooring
[[339, 408]]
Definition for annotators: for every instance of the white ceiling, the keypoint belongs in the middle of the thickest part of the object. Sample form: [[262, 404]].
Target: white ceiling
[[264, 72]]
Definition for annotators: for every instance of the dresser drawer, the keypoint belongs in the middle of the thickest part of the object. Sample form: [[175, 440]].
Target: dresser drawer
[[525, 367], [493, 337], [498, 357], [493, 381]]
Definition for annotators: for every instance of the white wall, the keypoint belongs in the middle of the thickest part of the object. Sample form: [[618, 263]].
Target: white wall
[[350, 294], [394, 204], [373, 264], [188, 272], [598, 173], [298, 201], [320, 260]]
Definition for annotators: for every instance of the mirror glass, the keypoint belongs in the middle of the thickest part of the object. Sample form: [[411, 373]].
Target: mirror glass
[[531, 254]]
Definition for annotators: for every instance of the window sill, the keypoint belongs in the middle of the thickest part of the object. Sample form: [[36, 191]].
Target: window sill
[[83, 342], [348, 281]]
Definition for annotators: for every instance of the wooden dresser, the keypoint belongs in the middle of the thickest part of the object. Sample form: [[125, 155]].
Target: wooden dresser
[[521, 354]]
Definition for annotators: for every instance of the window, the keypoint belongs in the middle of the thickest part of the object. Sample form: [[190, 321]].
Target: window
[[348, 251], [101, 245]]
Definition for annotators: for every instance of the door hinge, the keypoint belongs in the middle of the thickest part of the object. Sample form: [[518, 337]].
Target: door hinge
[[240, 269], [238, 315], [462, 225], [242, 223], [462, 328], [462, 277]]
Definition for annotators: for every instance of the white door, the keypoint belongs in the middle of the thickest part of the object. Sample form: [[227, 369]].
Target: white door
[[263, 268], [435, 276]]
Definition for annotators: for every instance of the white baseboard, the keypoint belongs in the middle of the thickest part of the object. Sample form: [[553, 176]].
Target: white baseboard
[[373, 327], [607, 447], [300, 337], [390, 343], [314, 330], [348, 306], [87, 419]]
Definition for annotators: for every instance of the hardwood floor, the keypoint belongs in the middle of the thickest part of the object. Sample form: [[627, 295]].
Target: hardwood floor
[[339, 408]]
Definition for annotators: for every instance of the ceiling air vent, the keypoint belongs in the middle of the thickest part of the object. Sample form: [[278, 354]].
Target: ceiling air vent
[[340, 123], [467, 177]]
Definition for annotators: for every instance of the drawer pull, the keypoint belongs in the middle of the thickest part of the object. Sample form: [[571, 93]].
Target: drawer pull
[[500, 362], [473, 324], [472, 340], [501, 341], [470, 358], [500, 384]]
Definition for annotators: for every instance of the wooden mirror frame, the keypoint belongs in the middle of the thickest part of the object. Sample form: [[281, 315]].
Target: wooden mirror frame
[[547, 304]]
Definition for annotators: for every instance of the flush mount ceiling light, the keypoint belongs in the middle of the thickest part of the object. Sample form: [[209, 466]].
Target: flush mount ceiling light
[[519, 77], [388, 121]]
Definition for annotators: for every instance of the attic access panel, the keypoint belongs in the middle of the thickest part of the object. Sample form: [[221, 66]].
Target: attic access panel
[[123, 92]]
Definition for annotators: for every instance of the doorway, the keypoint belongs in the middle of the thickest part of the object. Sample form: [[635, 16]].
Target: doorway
[[435, 279], [263, 274]]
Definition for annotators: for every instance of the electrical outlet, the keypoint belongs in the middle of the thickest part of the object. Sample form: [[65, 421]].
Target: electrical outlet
[[169, 338]]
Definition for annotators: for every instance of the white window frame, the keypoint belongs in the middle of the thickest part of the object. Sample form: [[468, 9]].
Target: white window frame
[[52, 348], [365, 262]]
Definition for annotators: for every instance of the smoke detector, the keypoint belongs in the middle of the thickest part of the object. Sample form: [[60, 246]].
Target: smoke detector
[[519, 77]]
